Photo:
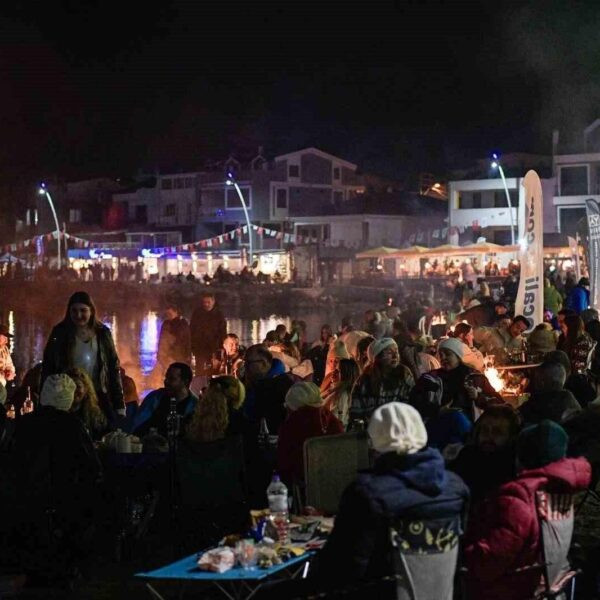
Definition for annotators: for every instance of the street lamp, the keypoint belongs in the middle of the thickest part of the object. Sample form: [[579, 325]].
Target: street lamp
[[43, 191], [496, 165], [232, 182]]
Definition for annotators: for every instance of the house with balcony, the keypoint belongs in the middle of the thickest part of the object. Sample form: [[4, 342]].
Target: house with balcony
[[478, 205], [576, 166]]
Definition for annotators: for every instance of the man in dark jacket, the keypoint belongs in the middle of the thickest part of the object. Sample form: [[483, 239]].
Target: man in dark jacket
[[408, 481], [549, 400], [174, 343], [208, 329], [266, 387]]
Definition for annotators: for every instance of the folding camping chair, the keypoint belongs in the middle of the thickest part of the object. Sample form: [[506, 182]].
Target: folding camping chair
[[330, 464]]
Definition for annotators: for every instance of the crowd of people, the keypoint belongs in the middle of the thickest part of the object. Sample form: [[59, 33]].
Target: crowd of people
[[447, 445]]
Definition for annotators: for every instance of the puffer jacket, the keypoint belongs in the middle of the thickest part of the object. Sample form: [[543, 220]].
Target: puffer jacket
[[415, 487], [57, 359], [504, 535]]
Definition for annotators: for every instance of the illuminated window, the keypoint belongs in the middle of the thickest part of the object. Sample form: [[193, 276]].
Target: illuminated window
[[75, 215]]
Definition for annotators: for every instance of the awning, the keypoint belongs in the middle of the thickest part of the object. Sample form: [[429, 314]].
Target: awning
[[379, 252]]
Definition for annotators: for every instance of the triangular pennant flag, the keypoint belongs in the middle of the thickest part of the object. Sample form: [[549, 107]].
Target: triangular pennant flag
[[461, 229], [260, 230], [209, 243], [287, 238], [279, 235], [436, 233], [444, 232], [273, 233]]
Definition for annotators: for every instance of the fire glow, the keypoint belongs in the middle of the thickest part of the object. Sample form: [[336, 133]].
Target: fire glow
[[494, 378]]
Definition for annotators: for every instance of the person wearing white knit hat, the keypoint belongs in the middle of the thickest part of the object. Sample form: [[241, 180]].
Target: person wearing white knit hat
[[408, 483], [58, 391], [455, 385], [383, 380], [397, 427]]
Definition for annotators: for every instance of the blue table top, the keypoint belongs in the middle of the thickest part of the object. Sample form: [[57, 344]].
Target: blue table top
[[186, 568]]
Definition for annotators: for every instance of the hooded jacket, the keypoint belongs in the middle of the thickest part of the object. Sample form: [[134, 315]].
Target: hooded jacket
[[413, 486], [300, 425], [504, 535], [556, 405], [578, 299]]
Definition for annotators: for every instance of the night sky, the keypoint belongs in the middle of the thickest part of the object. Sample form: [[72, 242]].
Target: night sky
[[104, 88]]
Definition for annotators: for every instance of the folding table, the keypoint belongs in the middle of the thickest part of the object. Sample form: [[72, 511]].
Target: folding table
[[235, 584]]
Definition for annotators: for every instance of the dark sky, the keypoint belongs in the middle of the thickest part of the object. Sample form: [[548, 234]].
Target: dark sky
[[92, 87]]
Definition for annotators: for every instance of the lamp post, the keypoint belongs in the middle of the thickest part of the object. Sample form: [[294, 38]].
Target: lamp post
[[496, 165], [232, 182], [43, 191]]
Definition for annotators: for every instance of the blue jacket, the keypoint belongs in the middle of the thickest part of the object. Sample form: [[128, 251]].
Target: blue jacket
[[154, 410], [579, 299], [415, 486]]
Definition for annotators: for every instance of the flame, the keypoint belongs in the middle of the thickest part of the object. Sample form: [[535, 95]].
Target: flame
[[494, 378]]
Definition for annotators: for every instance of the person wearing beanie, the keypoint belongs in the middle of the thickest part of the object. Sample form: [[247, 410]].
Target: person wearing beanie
[[81, 340], [454, 385], [407, 481], [55, 461], [504, 535], [541, 341], [306, 418], [383, 380], [549, 399]]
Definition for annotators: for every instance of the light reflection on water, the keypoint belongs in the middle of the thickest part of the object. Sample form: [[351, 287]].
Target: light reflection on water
[[136, 336]]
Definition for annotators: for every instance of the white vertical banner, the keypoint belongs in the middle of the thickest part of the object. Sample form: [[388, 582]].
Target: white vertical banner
[[530, 298]]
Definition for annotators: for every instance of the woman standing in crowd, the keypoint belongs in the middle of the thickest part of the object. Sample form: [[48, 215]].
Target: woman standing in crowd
[[338, 399], [383, 380], [85, 404], [577, 344], [81, 340]]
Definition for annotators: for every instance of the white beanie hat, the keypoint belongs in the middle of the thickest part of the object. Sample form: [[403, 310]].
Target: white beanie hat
[[378, 346], [455, 345], [58, 391], [303, 393], [397, 427]]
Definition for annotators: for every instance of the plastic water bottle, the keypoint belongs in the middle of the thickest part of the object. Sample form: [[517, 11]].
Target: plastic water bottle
[[277, 494]]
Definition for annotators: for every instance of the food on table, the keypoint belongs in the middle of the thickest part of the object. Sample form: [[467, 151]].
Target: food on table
[[217, 560]]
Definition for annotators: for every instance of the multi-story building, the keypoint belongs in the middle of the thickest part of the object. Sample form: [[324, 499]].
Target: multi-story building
[[576, 168], [478, 206]]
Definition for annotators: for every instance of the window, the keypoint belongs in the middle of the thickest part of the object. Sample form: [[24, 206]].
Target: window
[[189, 212], [294, 171], [571, 218], [166, 184], [476, 200], [178, 183], [326, 231], [573, 181], [170, 210], [282, 198], [141, 213], [500, 198], [75, 215], [232, 200], [336, 173], [338, 198], [189, 182]]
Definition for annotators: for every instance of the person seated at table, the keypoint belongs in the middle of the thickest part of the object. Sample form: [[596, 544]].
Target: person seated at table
[[488, 460], [407, 481], [85, 404], [155, 408], [384, 380], [577, 384], [307, 417], [56, 463], [541, 341], [339, 396], [231, 356], [576, 344], [549, 399], [218, 411], [453, 385], [503, 535], [503, 342], [471, 356]]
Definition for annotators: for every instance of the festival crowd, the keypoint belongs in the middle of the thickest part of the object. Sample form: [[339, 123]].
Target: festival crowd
[[453, 458]]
